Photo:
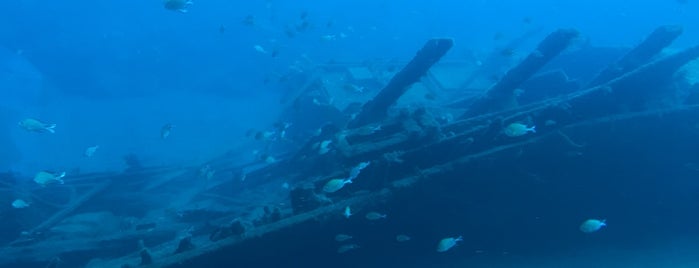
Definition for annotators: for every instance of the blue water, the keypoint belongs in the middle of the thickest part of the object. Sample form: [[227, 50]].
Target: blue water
[[112, 73], [81, 65]]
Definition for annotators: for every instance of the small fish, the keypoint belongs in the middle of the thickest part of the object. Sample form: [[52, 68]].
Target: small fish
[[268, 159], [402, 238], [324, 146], [177, 5], [356, 89], [91, 150], [249, 20], [448, 243], [508, 52], [33, 125], [19, 203], [342, 237], [265, 136], [328, 37], [348, 247], [518, 129], [44, 178], [260, 49], [166, 130], [335, 185], [592, 225], [373, 216], [348, 212], [206, 172], [356, 170]]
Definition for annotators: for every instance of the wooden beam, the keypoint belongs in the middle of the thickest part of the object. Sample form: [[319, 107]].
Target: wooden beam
[[501, 95], [375, 110], [641, 54]]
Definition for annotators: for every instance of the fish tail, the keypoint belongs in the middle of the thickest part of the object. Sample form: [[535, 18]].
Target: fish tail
[[50, 128]]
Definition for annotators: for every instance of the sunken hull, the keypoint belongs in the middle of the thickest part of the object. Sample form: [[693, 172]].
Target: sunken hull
[[426, 171]]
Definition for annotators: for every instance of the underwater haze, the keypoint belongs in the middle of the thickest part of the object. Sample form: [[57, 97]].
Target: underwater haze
[[112, 73], [112, 87]]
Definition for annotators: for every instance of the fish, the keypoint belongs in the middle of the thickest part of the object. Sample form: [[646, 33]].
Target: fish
[[342, 237], [518, 129], [335, 185], [178, 5], [33, 125], [206, 172], [373, 216], [260, 49], [268, 159], [45, 178], [19, 203], [592, 225], [356, 170], [402, 238], [348, 247], [448, 243], [249, 20], [324, 146], [348, 212], [91, 150], [210, 174], [166, 130], [328, 37]]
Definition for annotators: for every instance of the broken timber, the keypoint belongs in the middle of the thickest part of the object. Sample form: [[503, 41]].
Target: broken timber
[[375, 110], [501, 95], [459, 142], [641, 54], [478, 137], [629, 93]]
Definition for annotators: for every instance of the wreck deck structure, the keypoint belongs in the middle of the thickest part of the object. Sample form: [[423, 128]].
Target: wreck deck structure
[[417, 125]]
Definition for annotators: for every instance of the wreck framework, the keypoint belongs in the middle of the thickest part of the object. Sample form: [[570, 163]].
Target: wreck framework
[[246, 202]]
